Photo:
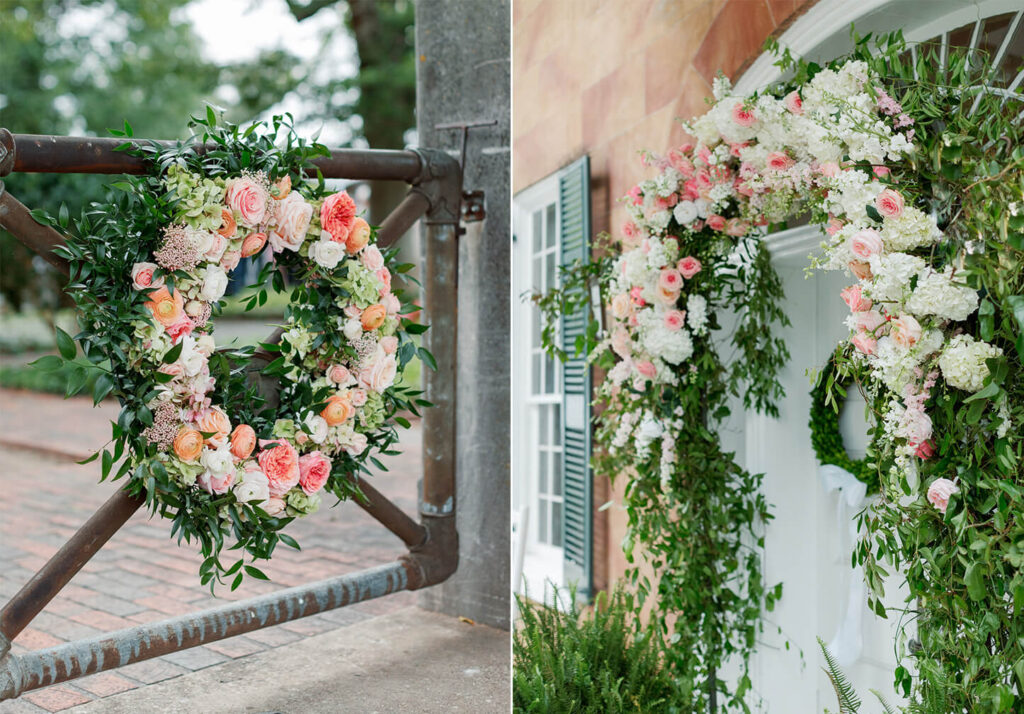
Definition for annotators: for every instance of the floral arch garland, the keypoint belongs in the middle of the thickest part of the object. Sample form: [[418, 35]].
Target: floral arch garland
[[149, 269], [915, 174]]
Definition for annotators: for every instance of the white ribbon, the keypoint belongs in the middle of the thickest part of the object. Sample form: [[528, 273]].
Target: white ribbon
[[848, 641]]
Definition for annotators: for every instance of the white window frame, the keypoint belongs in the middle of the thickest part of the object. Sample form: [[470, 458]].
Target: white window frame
[[543, 564]]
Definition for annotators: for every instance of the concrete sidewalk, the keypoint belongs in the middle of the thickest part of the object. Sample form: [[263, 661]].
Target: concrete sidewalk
[[408, 661]]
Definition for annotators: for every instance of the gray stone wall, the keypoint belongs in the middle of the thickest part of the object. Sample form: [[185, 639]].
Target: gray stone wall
[[463, 74]]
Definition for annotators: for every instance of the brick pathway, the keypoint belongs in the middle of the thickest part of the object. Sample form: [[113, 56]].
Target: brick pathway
[[141, 575]]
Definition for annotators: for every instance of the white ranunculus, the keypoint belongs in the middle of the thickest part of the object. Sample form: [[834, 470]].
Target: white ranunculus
[[317, 427], [214, 284], [253, 487], [327, 254], [685, 212], [353, 329], [702, 207], [192, 359], [218, 461]]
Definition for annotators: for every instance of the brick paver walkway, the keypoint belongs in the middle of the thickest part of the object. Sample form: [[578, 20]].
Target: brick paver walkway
[[141, 575]]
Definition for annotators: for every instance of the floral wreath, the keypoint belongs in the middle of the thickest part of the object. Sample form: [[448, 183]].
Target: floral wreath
[[826, 439], [148, 271]]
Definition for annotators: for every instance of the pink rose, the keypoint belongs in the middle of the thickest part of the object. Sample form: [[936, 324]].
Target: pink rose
[[230, 260], [906, 331], [866, 243], [860, 269], [829, 169], [293, 216], [621, 344], [793, 103], [779, 161], [869, 320], [889, 203], [743, 117], [391, 303], [647, 369], [674, 319], [248, 199], [142, 276], [389, 344], [865, 343], [356, 445], [338, 374], [179, 328], [384, 275], [925, 450], [940, 491], [358, 397], [666, 296], [621, 306], [688, 266], [380, 375], [372, 258], [834, 226], [314, 469], [880, 171], [670, 279], [736, 227], [273, 506], [636, 295], [716, 222], [218, 244], [253, 244], [218, 483], [280, 464], [337, 214], [854, 299], [629, 229]]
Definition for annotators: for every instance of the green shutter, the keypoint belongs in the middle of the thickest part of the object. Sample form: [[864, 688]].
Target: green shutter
[[577, 526]]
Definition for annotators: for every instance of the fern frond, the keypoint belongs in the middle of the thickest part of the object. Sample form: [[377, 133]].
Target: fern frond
[[849, 702], [885, 705]]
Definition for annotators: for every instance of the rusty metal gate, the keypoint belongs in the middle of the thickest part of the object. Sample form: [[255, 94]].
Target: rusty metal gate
[[435, 180]]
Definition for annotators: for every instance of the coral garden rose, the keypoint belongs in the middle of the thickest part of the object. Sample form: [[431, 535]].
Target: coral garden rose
[[279, 461], [854, 298], [293, 216], [940, 492], [905, 331], [142, 276], [228, 227], [358, 237], [253, 244], [167, 307], [243, 441], [314, 469], [337, 215], [215, 422], [248, 198], [338, 410], [188, 444], [688, 266], [889, 203], [373, 317], [866, 243]]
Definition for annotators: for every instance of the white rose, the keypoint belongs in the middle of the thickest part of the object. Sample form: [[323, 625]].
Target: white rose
[[380, 375], [702, 207], [317, 427], [356, 444], [372, 258], [191, 359], [253, 487], [353, 329], [214, 284], [205, 344], [327, 254], [685, 212], [293, 215], [202, 240]]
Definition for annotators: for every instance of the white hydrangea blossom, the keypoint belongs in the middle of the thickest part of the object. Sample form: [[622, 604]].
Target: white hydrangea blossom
[[963, 362], [942, 295], [697, 313], [913, 229]]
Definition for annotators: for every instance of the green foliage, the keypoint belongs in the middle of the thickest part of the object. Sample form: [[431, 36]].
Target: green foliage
[[588, 662], [849, 702]]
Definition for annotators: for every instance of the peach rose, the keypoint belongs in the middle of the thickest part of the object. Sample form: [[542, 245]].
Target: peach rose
[[889, 203], [168, 308], [338, 374], [380, 375], [384, 275], [940, 492], [314, 469], [869, 320], [854, 299], [280, 464], [218, 245], [188, 444], [866, 243], [142, 276], [372, 258], [389, 344], [243, 441], [670, 279], [358, 397], [391, 303], [358, 237], [230, 260], [228, 227], [688, 267], [829, 169], [249, 199], [253, 244], [373, 317], [337, 215], [865, 343], [339, 409], [293, 216], [736, 227], [273, 506], [906, 331], [621, 306], [860, 269], [215, 422], [283, 186], [665, 296]]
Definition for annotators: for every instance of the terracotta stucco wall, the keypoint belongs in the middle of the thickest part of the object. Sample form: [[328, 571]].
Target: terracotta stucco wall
[[610, 78]]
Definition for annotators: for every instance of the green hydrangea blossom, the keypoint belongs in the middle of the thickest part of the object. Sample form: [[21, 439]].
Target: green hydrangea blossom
[[361, 284], [372, 413]]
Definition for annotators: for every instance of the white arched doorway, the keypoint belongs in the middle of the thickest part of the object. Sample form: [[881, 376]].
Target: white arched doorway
[[807, 545]]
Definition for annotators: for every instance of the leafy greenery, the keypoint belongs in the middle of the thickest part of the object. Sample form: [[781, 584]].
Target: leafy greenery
[[587, 662]]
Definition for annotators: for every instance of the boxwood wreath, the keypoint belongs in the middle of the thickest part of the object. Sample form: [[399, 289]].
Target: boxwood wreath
[[831, 386], [912, 165], [149, 267]]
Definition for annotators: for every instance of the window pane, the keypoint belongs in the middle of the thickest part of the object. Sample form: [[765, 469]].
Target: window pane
[[542, 431], [549, 273], [556, 473], [551, 234], [542, 521], [537, 279], [556, 524], [556, 424], [549, 377], [538, 325], [542, 472], [538, 227], [538, 362]]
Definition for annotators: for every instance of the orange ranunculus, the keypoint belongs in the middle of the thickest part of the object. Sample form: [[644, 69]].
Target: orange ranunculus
[[358, 236], [338, 410], [215, 422], [188, 444], [373, 317], [243, 441], [284, 187], [167, 307], [227, 222]]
